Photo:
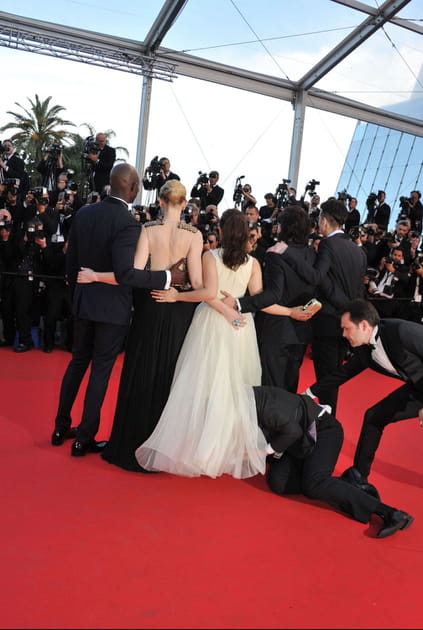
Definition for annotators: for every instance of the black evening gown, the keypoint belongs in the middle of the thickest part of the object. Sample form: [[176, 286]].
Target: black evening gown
[[154, 340]]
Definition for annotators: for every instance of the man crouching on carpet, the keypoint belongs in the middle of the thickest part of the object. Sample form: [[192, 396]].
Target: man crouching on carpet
[[304, 441]]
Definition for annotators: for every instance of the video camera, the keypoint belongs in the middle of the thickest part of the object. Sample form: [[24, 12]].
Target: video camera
[[343, 195], [90, 146], [311, 187], [54, 150], [203, 178], [281, 194]]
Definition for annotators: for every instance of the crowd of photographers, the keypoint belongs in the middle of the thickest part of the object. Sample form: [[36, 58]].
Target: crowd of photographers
[[35, 223]]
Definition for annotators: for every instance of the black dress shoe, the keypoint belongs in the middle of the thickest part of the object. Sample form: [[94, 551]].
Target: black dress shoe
[[47, 349], [58, 437], [4, 343], [23, 347], [395, 521], [355, 478], [79, 449]]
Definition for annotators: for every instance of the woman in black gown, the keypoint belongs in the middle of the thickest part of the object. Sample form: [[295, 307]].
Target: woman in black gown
[[157, 329]]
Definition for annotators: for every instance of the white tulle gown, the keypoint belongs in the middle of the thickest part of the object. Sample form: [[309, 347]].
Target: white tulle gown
[[209, 424]]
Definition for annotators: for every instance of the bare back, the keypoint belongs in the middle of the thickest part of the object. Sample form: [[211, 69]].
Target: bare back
[[168, 242]]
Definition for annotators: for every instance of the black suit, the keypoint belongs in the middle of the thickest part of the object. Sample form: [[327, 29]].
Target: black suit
[[207, 198], [339, 275], [403, 343], [282, 341], [102, 168], [15, 170], [104, 237], [310, 446]]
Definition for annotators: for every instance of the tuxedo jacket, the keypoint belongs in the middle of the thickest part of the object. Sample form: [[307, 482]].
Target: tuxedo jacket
[[285, 287], [338, 274], [102, 168], [287, 420], [403, 343], [103, 237]]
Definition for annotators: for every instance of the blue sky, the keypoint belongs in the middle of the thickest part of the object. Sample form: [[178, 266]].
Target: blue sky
[[199, 125]]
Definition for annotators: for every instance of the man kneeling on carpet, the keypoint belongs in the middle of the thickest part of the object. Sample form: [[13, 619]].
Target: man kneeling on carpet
[[304, 441]]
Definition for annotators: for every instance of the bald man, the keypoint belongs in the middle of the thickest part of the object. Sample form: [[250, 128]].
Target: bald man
[[104, 237]]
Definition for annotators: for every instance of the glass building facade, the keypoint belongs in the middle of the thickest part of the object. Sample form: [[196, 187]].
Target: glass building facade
[[383, 159]]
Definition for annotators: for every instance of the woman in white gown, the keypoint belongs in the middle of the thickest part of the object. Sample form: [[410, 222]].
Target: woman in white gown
[[209, 423]]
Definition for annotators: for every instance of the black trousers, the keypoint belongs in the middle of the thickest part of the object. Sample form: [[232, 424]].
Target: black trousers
[[328, 355], [98, 344], [281, 364], [312, 476], [397, 406]]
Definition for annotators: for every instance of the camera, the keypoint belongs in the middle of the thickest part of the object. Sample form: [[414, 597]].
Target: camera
[[34, 230], [371, 201], [12, 184], [203, 178], [417, 263], [54, 150], [355, 233], [90, 146], [311, 186], [371, 273], [6, 225], [155, 165], [281, 194], [343, 195]]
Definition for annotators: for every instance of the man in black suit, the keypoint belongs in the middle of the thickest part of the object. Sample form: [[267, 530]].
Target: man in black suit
[[338, 273], [102, 162], [104, 237], [282, 340], [393, 347], [209, 192], [304, 442], [13, 167]]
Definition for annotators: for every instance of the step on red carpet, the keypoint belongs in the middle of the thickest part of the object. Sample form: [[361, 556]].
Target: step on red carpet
[[88, 545]]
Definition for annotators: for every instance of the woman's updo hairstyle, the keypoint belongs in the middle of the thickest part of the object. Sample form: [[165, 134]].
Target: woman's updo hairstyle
[[173, 192]]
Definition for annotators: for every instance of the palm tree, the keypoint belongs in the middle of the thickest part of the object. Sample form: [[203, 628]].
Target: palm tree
[[37, 127]]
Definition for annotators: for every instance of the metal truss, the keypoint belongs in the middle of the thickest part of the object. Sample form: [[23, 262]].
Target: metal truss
[[94, 49]]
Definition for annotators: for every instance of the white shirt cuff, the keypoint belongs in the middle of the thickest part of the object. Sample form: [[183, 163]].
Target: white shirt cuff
[[238, 304], [168, 279]]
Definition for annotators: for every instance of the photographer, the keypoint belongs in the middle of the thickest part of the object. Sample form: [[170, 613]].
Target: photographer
[[37, 204], [416, 211], [390, 289], [100, 157], [248, 198], [268, 211], [25, 261], [397, 239], [207, 190], [11, 200], [353, 218], [7, 259], [378, 212], [50, 166], [12, 166], [413, 309]]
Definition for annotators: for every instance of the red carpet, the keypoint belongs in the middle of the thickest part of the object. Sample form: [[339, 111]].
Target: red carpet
[[88, 545]]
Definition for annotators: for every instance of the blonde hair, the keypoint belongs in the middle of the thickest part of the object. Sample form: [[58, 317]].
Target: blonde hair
[[173, 192]]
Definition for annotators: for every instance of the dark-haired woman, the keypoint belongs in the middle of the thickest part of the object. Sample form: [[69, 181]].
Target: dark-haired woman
[[209, 424]]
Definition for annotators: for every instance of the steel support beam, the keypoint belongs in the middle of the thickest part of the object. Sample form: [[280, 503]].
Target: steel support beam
[[359, 35], [297, 138], [365, 8], [163, 22]]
